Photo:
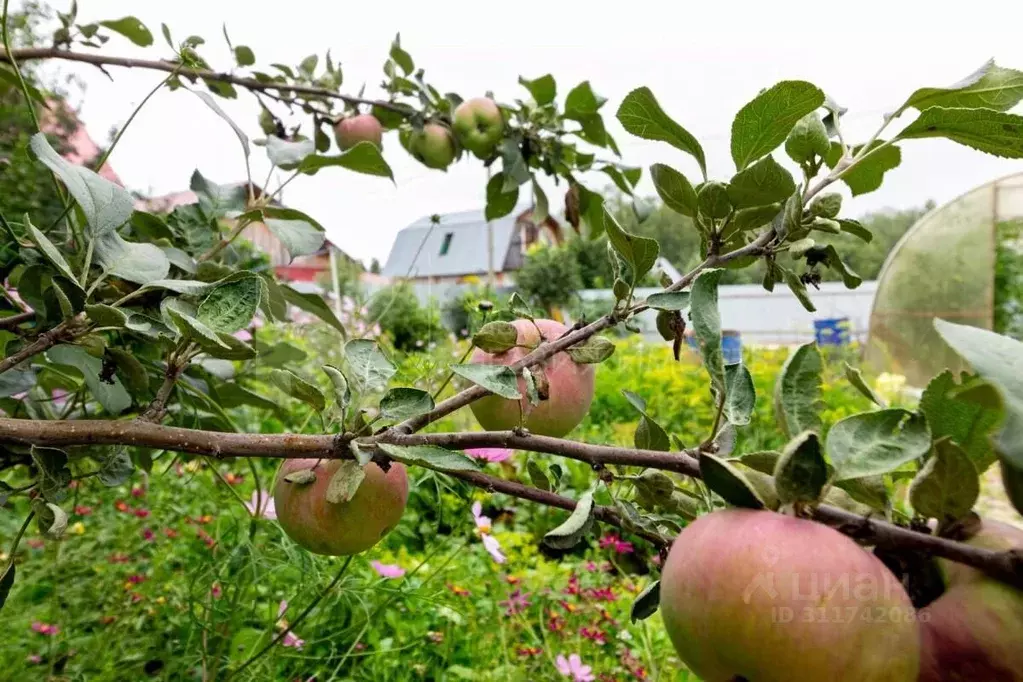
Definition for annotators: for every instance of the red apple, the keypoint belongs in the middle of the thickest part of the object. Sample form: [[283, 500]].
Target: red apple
[[764, 597], [568, 386], [974, 631], [355, 129], [345, 528]]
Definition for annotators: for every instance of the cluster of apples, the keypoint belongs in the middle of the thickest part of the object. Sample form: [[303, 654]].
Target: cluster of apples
[[477, 125]]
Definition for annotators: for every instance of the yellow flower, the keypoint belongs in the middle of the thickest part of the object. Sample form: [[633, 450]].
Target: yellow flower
[[78, 528], [161, 600], [889, 386], [192, 466]]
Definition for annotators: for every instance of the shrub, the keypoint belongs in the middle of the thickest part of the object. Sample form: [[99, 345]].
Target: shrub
[[410, 326], [549, 277]]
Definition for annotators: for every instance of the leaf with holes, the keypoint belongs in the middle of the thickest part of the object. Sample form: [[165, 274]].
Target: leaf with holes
[[948, 486], [797, 391], [404, 403], [728, 482], [876, 442], [298, 388], [497, 379], [431, 457], [579, 522], [741, 396], [801, 473], [345, 482]]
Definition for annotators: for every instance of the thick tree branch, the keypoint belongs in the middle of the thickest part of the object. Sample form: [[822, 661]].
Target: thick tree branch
[[101, 60], [1005, 566]]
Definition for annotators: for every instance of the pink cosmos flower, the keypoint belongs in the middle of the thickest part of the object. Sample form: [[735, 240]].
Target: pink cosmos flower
[[490, 454], [141, 513], [243, 335], [148, 535], [387, 570], [573, 667], [517, 602], [483, 525], [215, 591], [34, 658], [138, 491], [290, 638], [265, 502], [614, 542], [45, 629]]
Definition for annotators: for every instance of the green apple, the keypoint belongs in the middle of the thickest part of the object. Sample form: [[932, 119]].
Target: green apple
[[478, 124]]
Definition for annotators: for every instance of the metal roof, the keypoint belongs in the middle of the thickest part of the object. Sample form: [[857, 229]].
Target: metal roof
[[466, 252]]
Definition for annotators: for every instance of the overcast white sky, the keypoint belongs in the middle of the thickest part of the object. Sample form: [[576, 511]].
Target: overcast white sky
[[702, 60]]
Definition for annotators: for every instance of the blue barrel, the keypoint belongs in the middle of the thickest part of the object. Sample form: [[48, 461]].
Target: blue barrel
[[834, 331], [731, 346]]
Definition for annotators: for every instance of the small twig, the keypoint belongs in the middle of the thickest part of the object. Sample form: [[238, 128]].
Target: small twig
[[13, 321], [65, 331], [17, 540]]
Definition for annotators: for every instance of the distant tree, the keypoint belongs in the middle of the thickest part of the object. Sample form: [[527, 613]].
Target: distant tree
[[374, 266]]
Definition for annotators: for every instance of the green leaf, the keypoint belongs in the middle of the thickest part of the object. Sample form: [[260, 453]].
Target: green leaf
[[849, 278], [826, 205], [642, 116], [499, 201], [579, 522], [51, 519], [369, 367], [313, 304], [856, 229], [763, 461], [798, 289], [741, 395], [592, 351], [674, 189], [106, 316], [801, 472], [869, 490], [345, 482], [968, 423], [299, 237], [6, 583], [131, 371], [233, 395], [581, 101], [639, 252], [138, 263], [875, 443], [989, 87], [539, 476], [646, 602], [112, 396], [992, 132], [244, 55], [668, 300], [212, 104], [298, 388], [855, 377], [868, 174], [132, 29], [948, 486], [106, 205], [712, 200], [767, 120], [116, 468], [999, 360], [541, 207], [751, 218], [532, 392], [342, 391], [288, 153], [649, 434], [764, 182], [807, 139], [543, 89], [430, 456], [728, 482], [364, 157], [401, 57], [217, 201], [301, 477], [54, 474], [227, 347], [706, 319], [179, 259], [51, 252], [230, 307], [496, 337], [182, 314], [497, 379], [400, 404], [797, 391]]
